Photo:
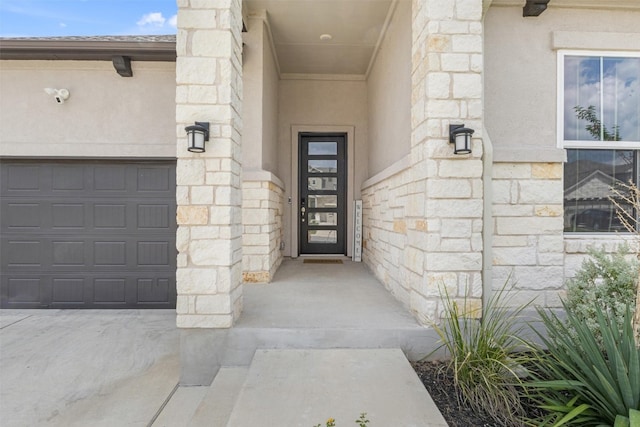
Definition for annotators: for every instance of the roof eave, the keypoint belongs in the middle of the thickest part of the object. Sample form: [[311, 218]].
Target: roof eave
[[23, 49]]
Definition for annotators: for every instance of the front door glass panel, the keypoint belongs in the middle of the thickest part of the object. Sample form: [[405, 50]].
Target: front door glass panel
[[322, 204]]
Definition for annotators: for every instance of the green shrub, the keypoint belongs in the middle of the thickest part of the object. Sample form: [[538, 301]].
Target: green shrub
[[576, 382], [604, 281], [484, 362]]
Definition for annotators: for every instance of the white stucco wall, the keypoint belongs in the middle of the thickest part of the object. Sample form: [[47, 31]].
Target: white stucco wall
[[106, 115], [269, 107], [260, 109], [521, 75], [320, 103], [389, 92]]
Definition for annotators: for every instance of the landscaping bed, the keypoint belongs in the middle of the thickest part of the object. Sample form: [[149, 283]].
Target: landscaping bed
[[439, 383]]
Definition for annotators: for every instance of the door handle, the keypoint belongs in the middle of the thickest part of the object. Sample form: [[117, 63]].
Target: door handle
[[303, 210]]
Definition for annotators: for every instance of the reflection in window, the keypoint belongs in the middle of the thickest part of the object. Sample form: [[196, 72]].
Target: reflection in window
[[322, 166], [601, 98], [323, 218], [323, 148], [323, 201], [323, 183], [601, 132], [589, 176], [322, 236]]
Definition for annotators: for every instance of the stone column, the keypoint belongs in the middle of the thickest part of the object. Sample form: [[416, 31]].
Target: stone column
[[445, 247], [209, 238]]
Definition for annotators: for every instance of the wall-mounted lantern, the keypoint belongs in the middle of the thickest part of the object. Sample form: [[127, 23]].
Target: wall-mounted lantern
[[197, 135], [460, 137]]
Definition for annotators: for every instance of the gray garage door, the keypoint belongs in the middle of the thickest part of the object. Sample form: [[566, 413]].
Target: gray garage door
[[87, 234]]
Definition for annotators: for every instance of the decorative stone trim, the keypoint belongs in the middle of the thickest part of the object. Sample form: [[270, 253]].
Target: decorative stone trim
[[209, 237], [262, 227], [528, 244]]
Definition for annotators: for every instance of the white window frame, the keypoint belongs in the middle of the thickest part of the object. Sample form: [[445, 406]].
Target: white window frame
[[590, 144]]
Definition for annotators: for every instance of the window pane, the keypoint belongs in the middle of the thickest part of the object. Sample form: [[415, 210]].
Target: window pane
[[621, 95], [323, 218], [601, 98], [322, 236], [323, 148], [323, 183], [322, 166], [317, 201], [589, 176], [581, 98]]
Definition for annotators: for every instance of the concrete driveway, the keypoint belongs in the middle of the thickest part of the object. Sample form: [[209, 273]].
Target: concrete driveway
[[86, 367]]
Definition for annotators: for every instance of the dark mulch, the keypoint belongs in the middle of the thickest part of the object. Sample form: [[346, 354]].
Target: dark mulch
[[439, 383]]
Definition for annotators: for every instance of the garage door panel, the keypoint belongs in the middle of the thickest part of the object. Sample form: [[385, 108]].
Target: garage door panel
[[68, 215], [24, 290], [109, 291], [69, 177], [68, 290], [21, 177], [90, 234], [22, 254], [23, 215]]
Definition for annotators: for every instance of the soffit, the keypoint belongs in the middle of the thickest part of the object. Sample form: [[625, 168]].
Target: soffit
[[296, 25]]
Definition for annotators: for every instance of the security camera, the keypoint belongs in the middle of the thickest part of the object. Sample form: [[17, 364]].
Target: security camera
[[60, 95]]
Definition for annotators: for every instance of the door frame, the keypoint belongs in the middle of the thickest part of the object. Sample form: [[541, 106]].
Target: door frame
[[295, 191]]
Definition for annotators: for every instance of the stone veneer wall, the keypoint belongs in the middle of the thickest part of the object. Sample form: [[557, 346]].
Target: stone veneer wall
[[209, 236], [445, 190], [528, 242], [262, 230], [423, 224], [385, 232]]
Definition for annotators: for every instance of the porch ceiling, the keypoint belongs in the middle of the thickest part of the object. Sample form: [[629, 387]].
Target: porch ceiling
[[356, 27]]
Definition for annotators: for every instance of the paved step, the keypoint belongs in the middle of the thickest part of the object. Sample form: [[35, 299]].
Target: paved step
[[202, 406], [306, 387]]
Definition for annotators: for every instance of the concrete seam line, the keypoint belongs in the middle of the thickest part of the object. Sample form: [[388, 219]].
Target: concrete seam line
[[166, 401], [17, 321]]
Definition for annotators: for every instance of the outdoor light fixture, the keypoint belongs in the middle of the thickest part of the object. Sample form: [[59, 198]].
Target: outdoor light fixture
[[460, 137], [197, 134]]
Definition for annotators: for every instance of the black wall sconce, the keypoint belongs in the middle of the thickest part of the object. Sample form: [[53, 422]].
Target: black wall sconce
[[197, 135], [460, 137]]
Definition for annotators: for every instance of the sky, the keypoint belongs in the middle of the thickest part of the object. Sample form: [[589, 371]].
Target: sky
[[53, 18]]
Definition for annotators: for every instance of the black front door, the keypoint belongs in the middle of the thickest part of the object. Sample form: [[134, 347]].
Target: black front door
[[323, 187]]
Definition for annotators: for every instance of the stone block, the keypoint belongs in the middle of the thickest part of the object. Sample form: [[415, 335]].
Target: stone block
[[528, 226], [198, 71], [511, 210], [212, 43], [514, 256], [190, 172], [446, 261], [455, 245], [469, 9], [438, 85], [256, 277], [454, 62], [539, 277], [196, 281], [192, 215], [465, 168], [201, 195], [511, 171], [442, 108], [547, 170], [467, 86], [414, 260], [196, 19], [440, 10], [540, 192], [455, 228], [454, 27], [204, 321], [466, 43], [549, 210], [455, 208], [449, 189], [210, 252], [213, 304]]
